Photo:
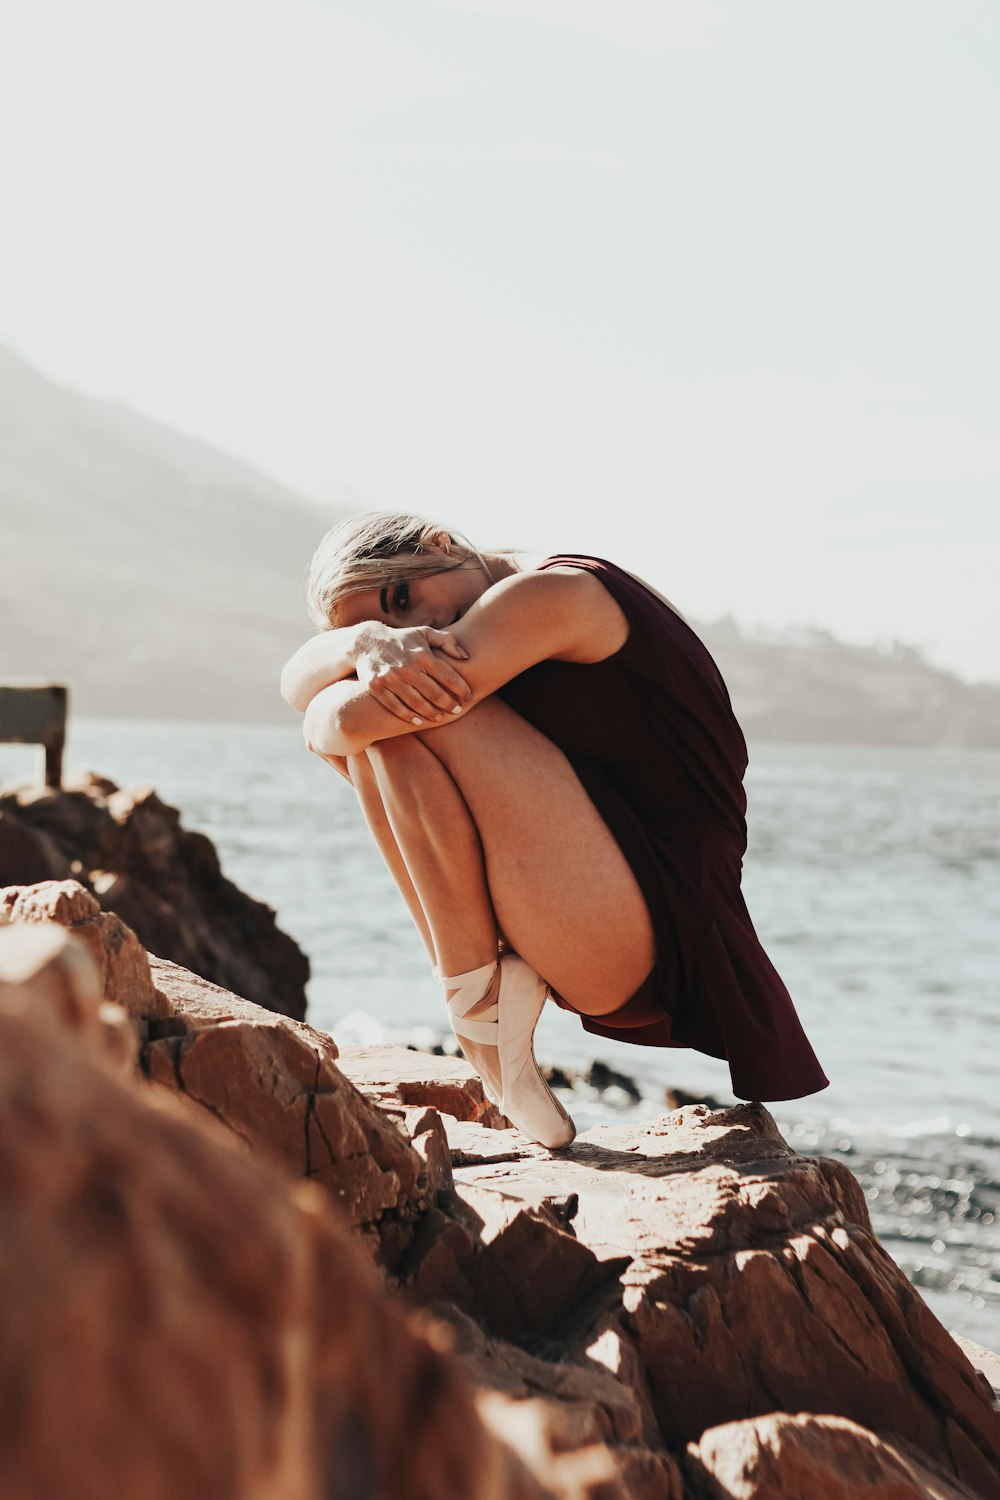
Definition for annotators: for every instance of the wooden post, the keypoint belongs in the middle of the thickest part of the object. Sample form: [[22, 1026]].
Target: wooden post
[[34, 713]]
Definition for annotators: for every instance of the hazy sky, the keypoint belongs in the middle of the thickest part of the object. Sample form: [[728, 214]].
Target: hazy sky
[[707, 288]]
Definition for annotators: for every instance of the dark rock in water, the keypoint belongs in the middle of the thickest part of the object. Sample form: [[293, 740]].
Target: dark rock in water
[[602, 1077], [130, 850], [559, 1078], [677, 1098]]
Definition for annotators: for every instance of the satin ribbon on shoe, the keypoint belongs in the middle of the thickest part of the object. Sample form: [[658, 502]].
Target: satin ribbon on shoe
[[509, 1025]]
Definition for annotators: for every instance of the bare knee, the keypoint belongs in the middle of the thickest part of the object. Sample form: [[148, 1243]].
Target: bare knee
[[381, 760], [388, 754], [455, 744], [457, 735]]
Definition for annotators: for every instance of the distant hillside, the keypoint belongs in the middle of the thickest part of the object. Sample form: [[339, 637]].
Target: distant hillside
[[155, 575], [807, 685], [161, 578]]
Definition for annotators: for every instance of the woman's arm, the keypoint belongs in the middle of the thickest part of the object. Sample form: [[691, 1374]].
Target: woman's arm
[[387, 661], [562, 613], [324, 659]]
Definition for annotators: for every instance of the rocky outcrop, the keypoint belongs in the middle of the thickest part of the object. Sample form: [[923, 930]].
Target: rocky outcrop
[[120, 962], [175, 1322], [602, 1424], [395, 1075], [128, 848], [272, 1082], [747, 1280], [276, 1086], [686, 1308], [49, 977], [984, 1360], [783, 1457]]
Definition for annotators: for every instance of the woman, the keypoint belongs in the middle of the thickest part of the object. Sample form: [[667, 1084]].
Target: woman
[[548, 760]]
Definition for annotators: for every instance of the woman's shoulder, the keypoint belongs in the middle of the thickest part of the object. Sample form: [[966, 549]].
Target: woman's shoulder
[[567, 561], [562, 600]]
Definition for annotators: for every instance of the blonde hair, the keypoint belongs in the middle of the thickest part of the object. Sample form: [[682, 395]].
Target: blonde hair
[[375, 548]]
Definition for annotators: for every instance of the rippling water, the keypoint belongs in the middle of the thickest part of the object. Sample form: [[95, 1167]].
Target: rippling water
[[873, 878]]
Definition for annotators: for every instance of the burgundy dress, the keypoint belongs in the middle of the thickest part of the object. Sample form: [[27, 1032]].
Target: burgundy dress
[[651, 734]]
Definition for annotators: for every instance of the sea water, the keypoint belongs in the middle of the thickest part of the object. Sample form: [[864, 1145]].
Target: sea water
[[873, 878]]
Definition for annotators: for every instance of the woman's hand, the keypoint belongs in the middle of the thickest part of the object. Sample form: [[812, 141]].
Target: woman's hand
[[408, 673]]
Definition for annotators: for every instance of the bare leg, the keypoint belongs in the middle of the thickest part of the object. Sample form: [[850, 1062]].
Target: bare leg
[[359, 772], [438, 855], [439, 845], [493, 825], [483, 821], [485, 825], [362, 778]]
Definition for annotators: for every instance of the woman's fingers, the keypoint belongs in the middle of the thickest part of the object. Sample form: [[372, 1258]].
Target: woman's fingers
[[445, 641], [420, 684], [446, 676], [412, 709], [433, 678], [408, 703], [413, 665], [445, 688], [339, 764]]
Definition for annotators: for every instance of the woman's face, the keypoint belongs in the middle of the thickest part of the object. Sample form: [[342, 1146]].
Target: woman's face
[[436, 599]]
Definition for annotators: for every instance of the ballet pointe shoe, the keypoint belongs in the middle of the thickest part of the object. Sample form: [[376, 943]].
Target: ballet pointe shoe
[[527, 1099], [509, 1026], [477, 1035]]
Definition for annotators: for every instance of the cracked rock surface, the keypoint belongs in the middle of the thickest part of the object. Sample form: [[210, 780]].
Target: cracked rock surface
[[684, 1308], [272, 1082], [176, 1321], [129, 849], [783, 1457], [750, 1281], [276, 1085], [400, 1075]]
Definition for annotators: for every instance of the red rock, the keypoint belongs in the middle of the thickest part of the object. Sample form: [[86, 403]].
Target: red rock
[[530, 1271], [276, 1085], [48, 976], [472, 1146], [587, 1432], [272, 1082], [424, 1128], [406, 1076], [511, 1258], [777, 1456], [985, 1361], [47, 973], [129, 849], [665, 1281], [753, 1281], [120, 959], [173, 1323]]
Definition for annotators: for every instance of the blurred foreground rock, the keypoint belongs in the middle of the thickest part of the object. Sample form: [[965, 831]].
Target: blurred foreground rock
[[176, 1322], [783, 1457], [129, 849], [686, 1308]]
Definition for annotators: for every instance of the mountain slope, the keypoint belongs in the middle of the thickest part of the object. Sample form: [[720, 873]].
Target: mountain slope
[[807, 685], [154, 574]]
